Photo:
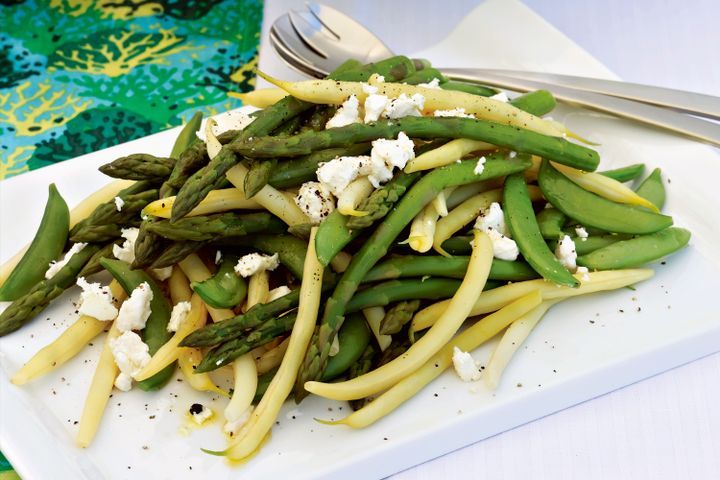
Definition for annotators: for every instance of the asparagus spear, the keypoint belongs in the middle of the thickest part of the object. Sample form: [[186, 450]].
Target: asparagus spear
[[229, 351], [219, 225], [382, 200], [139, 166], [176, 252], [375, 248], [93, 265], [39, 297], [148, 245], [396, 318]]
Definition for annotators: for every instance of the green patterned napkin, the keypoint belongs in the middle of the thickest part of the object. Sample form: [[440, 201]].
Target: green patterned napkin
[[79, 75]]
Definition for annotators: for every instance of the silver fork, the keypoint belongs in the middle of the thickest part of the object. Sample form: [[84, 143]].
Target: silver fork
[[317, 40]]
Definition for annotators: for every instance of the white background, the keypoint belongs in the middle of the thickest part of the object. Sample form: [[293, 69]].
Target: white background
[[667, 426]]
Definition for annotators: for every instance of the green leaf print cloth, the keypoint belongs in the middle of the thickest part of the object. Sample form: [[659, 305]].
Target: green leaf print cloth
[[78, 75]]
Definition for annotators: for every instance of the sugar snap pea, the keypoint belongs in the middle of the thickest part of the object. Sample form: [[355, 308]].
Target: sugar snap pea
[[225, 289], [353, 338], [439, 266], [652, 189], [592, 210], [392, 291], [47, 245], [551, 221], [625, 174]]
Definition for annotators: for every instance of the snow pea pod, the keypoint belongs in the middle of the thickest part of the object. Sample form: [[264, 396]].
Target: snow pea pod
[[353, 337], [46, 246], [652, 189], [225, 289], [291, 250], [187, 136], [155, 333], [526, 232], [594, 242], [636, 251], [625, 174], [592, 210], [439, 266], [551, 221]]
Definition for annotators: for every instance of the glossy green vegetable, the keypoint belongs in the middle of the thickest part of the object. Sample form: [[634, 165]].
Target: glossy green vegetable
[[469, 88], [594, 242], [652, 189], [426, 75], [155, 333], [139, 166], [47, 245], [551, 221], [225, 289], [187, 136], [397, 316], [539, 102], [216, 226], [625, 174], [392, 291], [291, 250], [636, 251], [592, 210], [353, 339], [439, 266], [294, 172], [525, 231]]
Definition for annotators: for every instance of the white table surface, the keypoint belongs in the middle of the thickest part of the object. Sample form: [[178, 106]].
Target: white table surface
[[667, 426]]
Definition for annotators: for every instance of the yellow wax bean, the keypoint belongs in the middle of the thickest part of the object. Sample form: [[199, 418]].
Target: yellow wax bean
[[446, 154], [215, 202], [261, 98], [443, 330]]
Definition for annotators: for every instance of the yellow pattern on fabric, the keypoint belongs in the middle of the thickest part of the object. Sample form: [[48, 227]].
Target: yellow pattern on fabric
[[116, 9], [40, 111], [127, 50], [15, 162], [246, 70]]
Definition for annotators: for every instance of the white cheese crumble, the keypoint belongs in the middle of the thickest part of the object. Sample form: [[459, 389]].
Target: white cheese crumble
[[432, 84], [369, 89], [232, 427], [404, 106], [337, 174], [504, 248], [492, 222], [278, 292], [200, 413], [348, 113], [500, 97], [391, 153], [178, 316], [119, 203], [131, 355], [315, 201], [465, 366], [480, 167], [135, 311], [218, 257], [54, 267], [256, 262], [232, 120], [375, 105], [96, 301], [581, 233], [584, 272], [455, 112], [126, 252], [565, 253]]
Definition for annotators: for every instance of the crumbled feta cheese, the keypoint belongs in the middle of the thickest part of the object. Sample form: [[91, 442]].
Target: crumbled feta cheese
[[131, 355], [232, 427], [200, 413], [500, 97], [584, 272], [347, 114], [54, 267], [432, 84], [465, 366], [337, 174], [378, 172], [135, 311], [512, 154], [565, 252], [404, 106], [369, 89], [393, 153], [375, 105], [119, 204], [504, 248], [334, 347], [581, 233], [218, 257], [256, 262], [491, 218], [315, 201], [232, 120], [126, 252], [480, 167], [376, 78], [278, 292], [96, 301], [162, 274], [455, 112], [178, 316]]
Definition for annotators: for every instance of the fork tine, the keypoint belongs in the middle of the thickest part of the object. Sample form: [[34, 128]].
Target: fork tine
[[298, 51], [294, 61], [313, 9], [306, 27]]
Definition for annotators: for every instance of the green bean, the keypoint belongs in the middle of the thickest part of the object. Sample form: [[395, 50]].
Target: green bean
[[526, 232], [378, 243], [47, 245], [652, 189], [592, 210], [155, 333], [469, 88], [353, 338], [538, 103], [439, 266], [225, 289], [426, 75], [551, 221], [459, 245], [625, 174], [636, 251], [392, 291]]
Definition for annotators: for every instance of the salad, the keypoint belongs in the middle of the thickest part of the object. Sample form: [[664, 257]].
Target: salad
[[350, 238]]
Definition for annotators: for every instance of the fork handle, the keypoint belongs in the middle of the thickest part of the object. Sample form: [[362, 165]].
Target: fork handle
[[689, 102], [705, 131]]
